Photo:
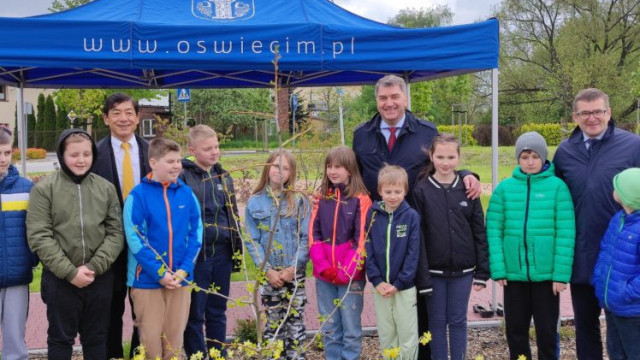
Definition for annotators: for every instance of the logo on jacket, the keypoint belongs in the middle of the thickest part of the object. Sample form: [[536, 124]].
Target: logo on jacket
[[223, 9], [219, 187], [401, 230], [463, 203]]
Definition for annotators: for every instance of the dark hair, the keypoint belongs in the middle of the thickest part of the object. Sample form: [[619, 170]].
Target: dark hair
[[441, 138], [6, 136], [590, 94], [118, 98], [159, 147]]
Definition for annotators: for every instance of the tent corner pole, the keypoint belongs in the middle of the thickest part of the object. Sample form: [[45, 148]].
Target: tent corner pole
[[407, 80], [494, 156], [22, 127]]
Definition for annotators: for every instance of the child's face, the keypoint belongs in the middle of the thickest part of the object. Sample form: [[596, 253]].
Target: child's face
[[279, 173], [78, 156], [445, 158], [530, 162], [337, 174], [5, 157], [206, 151], [166, 168], [392, 195]]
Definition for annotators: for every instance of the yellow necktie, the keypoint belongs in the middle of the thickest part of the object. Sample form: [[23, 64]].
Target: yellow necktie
[[127, 171]]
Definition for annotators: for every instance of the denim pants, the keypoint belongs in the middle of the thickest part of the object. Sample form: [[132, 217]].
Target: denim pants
[[623, 337], [72, 310], [206, 309], [342, 332], [448, 309]]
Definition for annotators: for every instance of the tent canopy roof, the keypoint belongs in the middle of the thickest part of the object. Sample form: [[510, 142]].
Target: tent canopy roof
[[230, 43]]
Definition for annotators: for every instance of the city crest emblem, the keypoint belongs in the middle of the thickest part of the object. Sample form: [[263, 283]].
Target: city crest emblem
[[215, 10]]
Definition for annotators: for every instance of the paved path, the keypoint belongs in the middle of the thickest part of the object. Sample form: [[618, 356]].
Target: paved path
[[36, 335]]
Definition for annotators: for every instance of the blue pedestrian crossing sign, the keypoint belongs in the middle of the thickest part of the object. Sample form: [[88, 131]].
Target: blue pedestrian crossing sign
[[184, 95]]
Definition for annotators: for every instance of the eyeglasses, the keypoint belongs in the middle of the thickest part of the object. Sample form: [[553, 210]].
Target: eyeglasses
[[598, 114]]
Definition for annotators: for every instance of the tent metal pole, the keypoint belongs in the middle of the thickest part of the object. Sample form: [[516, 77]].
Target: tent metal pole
[[494, 157], [22, 127], [407, 80]]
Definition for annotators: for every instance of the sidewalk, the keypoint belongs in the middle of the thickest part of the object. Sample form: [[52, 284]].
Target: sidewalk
[[36, 335]]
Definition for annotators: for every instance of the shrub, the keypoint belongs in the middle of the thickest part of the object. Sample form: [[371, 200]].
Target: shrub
[[482, 134], [552, 133], [467, 133], [246, 330], [32, 153]]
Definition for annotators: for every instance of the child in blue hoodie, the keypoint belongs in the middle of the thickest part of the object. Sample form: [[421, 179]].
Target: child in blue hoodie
[[393, 246], [164, 233], [616, 276]]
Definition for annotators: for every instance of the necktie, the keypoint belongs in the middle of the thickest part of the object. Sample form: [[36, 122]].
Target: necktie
[[127, 171], [392, 137], [591, 143]]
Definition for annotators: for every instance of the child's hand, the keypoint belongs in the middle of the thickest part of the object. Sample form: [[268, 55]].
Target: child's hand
[[84, 277], [287, 274], [382, 289], [558, 287], [478, 287], [502, 282], [391, 290], [273, 278], [169, 282], [180, 276]]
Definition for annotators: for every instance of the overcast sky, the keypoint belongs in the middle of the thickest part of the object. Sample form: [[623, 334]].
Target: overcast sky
[[465, 11]]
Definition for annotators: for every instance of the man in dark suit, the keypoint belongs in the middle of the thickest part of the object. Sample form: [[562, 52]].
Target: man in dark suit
[[122, 159]]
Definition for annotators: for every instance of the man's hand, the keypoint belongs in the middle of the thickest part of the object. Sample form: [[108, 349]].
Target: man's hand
[[273, 278], [558, 288], [84, 277], [472, 184], [169, 282], [287, 274]]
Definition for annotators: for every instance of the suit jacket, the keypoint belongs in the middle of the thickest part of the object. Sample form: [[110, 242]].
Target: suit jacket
[[105, 166]]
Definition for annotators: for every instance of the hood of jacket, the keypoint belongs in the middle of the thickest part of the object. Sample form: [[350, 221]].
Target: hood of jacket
[[60, 152]]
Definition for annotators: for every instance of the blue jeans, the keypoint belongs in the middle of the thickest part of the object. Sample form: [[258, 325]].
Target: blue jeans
[[342, 332], [623, 337], [206, 309], [448, 306]]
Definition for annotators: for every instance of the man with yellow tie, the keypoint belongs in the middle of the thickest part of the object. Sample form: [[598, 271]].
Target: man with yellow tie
[[122, 159]]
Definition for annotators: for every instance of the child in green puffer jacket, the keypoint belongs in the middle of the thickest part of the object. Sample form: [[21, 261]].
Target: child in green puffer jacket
[[531, 233]]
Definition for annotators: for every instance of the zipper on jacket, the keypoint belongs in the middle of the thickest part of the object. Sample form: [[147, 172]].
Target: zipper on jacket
[[335, 225], [202, 214], [389, 243], [606, 284], [84, 254], [526, 219], [165, 186]]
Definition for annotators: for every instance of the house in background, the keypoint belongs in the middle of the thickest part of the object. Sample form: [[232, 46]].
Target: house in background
[[150, 110], [8, 100]]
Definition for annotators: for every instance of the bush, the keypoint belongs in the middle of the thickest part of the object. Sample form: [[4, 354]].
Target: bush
[[246, 330], [467, 133], [552, 133], [32, 153], [482, 134]]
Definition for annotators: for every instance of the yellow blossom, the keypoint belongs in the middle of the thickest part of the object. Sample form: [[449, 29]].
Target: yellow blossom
[[425, 338], [522, 357], [479, 357], [391, 353]]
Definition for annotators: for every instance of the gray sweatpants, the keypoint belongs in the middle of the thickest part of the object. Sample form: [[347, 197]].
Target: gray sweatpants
[[14, 305]]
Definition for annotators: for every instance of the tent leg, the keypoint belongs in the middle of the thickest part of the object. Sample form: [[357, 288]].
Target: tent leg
[[22, 128], [406, 79], [494, 157]]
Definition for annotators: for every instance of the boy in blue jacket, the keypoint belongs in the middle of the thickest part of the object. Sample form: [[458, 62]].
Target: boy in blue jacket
[[164, 233], [16, 260], [616, 276], [393, 246]]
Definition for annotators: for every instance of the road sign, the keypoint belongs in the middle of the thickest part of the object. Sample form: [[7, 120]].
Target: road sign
[[184, 95], [72, 115]]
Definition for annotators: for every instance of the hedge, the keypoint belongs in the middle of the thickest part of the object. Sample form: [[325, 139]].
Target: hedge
[[553, 133], [467, 133], [32, 153]]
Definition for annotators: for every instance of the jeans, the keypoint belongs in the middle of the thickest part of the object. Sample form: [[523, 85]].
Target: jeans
[[623, 337], [71, 310], [448, 308], [206, 309], [342, 332]]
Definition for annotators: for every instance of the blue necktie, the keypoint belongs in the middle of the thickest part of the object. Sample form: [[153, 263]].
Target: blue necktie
[[591, 144]]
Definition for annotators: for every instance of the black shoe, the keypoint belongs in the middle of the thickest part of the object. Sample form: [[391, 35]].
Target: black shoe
[[483, 311]]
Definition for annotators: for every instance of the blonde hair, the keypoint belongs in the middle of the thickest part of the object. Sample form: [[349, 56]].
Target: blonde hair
[[159, 147], [345, 157], [200, 131], [77, 137], [288, 187], [393, 175]]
